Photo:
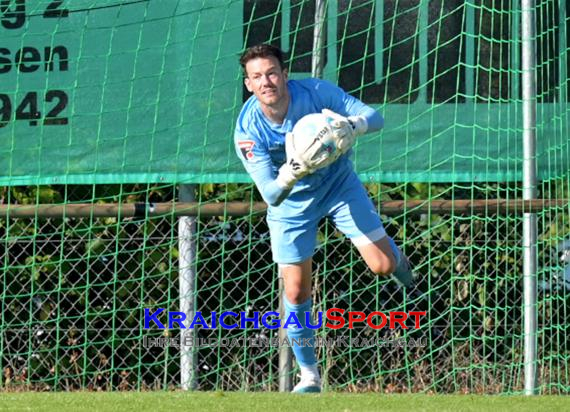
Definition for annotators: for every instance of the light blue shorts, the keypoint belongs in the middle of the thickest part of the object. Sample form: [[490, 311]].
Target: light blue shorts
[[344, 200]]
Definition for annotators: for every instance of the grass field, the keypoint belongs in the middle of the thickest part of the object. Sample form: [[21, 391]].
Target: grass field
[[272, 402]]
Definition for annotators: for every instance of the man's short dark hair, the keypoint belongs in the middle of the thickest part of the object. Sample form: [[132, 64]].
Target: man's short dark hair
[[261, 50]]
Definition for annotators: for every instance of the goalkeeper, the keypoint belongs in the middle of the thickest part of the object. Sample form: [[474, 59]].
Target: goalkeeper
[[298, 196]]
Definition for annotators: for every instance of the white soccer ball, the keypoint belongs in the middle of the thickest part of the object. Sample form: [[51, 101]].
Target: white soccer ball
[[313, 140]]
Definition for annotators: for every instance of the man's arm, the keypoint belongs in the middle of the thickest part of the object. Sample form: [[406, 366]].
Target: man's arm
[[257, 162], [350, 117], [271, 191], [336, 99], [374, 119]]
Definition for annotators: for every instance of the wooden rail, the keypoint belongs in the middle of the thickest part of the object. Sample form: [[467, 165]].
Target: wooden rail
[[393, 207]]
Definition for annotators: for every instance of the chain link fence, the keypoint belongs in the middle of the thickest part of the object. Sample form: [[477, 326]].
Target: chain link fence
[[74, 291]]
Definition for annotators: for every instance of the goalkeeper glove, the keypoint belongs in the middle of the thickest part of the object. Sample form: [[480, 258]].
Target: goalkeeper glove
[[294, 168], [346, 129]]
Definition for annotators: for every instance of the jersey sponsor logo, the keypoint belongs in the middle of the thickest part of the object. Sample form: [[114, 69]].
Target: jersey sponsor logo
[[246, 147]]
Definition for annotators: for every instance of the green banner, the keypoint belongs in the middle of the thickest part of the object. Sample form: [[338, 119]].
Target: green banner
[[148, 91]]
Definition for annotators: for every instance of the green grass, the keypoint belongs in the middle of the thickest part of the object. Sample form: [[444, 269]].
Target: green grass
[[272, 402]]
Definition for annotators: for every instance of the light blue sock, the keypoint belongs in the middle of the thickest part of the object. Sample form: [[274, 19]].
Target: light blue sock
[[305, 355], [396, 250], [402, 273]]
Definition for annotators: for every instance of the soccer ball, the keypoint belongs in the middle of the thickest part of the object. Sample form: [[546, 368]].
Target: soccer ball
[[313, 141]]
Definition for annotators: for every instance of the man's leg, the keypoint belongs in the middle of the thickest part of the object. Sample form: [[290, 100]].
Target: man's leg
[[354, 214], [294, 241], [383, 257], [297, 279]]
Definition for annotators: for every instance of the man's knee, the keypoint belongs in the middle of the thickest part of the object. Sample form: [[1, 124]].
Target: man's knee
[[383, 264], [297, 295], [297, 281]]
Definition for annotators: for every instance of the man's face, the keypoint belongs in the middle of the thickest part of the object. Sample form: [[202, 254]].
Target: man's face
[[266, 80]]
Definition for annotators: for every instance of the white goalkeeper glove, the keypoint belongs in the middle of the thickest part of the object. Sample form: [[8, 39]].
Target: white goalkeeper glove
[[294, 168], [346, 129]]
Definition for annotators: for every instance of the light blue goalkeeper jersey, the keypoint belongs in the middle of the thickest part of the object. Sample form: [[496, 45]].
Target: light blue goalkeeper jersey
[[260, 144]]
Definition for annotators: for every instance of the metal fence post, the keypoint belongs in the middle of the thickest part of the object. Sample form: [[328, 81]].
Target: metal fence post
[[187, 282], [285, 353], [318, 58], [529, 192]]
